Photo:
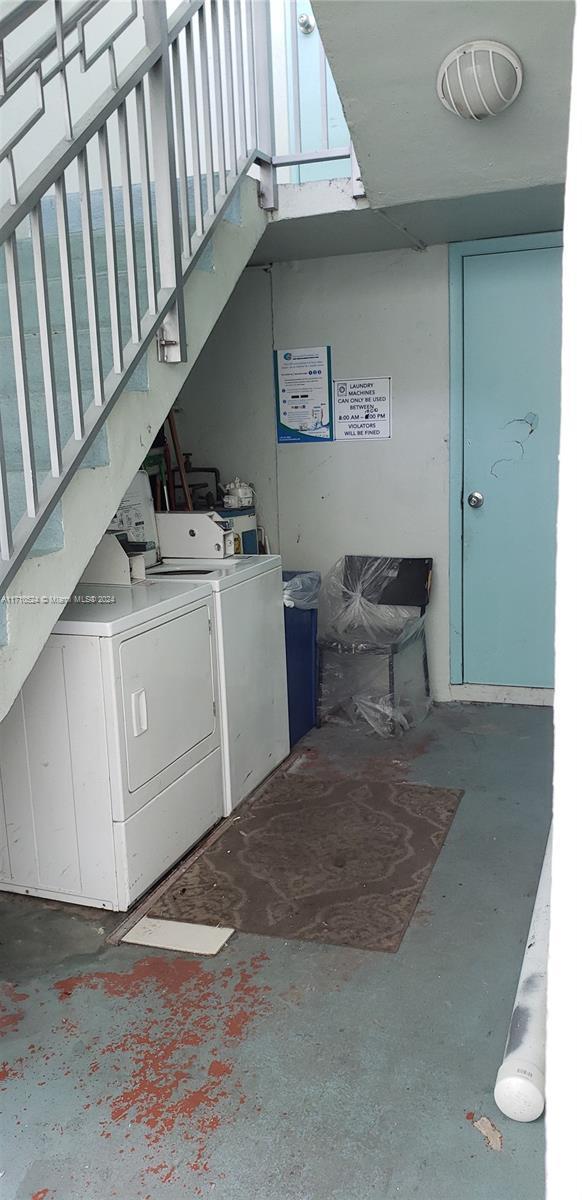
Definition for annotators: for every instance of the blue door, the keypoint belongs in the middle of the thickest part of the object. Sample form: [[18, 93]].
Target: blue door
[[511, 406]]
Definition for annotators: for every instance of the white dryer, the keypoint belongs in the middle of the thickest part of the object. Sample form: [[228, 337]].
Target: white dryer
[[250, 638], [110, 756]]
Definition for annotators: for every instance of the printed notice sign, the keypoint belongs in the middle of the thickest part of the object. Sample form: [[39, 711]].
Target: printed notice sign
[[303, 385], [363, 409]]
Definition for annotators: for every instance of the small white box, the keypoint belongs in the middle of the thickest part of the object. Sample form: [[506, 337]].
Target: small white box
[[194, 535]]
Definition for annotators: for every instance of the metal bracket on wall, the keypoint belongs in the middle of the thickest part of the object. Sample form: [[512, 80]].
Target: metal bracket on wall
[[168, 341], [164, 343]]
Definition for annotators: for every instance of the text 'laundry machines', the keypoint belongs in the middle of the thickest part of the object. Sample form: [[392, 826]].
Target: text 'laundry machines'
[[110, 758]]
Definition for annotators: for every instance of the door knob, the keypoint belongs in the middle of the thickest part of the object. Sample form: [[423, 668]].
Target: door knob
[[475, 499]]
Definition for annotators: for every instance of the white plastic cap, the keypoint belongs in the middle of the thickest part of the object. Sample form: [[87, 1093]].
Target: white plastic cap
[[520, 1091]]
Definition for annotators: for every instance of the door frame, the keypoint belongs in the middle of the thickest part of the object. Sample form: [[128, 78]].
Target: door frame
[[458, 252]]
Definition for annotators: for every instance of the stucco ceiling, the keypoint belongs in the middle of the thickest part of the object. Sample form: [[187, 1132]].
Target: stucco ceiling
[[365, 230], [385, 55]]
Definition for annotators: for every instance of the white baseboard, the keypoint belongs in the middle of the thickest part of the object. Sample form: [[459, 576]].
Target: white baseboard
[[478, 693]]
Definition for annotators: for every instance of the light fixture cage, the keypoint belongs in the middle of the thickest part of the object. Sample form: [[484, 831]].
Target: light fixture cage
[[479, 79]]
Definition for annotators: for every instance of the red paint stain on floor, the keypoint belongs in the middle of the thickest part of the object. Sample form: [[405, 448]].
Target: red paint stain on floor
[[164, 1172], [171, 1063], [43, 1194], [69, 1027], [10, 1072], [11, 1008], [218, 1070]]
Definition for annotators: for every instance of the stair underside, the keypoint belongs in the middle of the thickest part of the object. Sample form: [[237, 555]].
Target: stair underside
[[94, 493]]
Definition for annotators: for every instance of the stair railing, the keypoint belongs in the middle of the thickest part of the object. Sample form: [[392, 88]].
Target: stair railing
[[179, 126]]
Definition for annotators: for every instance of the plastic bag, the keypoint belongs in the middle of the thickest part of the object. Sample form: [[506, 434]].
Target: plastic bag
[[351, 610], [373, 666], [302, 590]]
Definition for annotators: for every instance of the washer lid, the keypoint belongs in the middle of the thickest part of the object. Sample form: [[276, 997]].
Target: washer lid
[[101, 610], [217, 573]]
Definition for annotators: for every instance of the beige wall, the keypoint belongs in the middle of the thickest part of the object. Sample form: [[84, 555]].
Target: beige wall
[[226, 410], [383, 314]]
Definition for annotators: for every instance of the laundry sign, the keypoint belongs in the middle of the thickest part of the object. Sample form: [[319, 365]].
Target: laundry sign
[[362, 409], [303, 391]]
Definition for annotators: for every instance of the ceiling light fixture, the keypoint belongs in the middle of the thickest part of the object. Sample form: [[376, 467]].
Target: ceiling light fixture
[[479, 79]]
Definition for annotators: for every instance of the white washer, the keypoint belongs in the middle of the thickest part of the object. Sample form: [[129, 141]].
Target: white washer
[[250, 632], [110, 756]]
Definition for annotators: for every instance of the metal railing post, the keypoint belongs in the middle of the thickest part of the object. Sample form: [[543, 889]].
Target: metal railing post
[[265, 112], [172, 342]]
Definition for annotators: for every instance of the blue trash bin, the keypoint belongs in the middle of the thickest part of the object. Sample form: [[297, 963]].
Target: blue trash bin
[[302, 666]]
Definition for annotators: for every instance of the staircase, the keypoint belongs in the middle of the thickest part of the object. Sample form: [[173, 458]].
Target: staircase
[[140, 172]]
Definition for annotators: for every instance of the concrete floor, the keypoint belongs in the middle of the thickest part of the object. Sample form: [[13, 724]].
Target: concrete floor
[[289, 1070]]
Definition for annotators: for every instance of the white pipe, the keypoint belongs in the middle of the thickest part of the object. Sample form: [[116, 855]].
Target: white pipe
[[520, 1090], [564, 1044]]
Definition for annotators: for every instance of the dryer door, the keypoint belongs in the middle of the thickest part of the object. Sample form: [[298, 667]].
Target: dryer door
[[167, 693]]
